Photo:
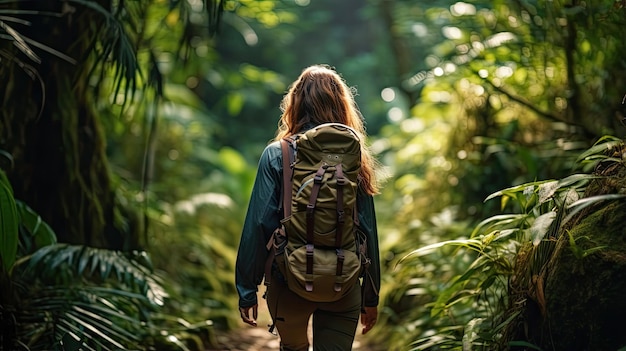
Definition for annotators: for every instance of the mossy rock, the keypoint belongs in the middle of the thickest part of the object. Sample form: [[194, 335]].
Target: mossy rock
[[569, 292], [578, 302], [585, 297]]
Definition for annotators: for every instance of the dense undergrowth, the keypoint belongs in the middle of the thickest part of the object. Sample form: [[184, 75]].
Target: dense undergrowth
[[498, 284]]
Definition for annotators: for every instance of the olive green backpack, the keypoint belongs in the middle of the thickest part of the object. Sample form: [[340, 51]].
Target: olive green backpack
[[319, 249]]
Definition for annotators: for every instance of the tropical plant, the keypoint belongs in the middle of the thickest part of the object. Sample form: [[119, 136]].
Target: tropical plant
[[479, 289], [73, 297], [494, 91], [60, 76], [193, 225], [488, 89], [585, 246], [76, 297], [58, 58]]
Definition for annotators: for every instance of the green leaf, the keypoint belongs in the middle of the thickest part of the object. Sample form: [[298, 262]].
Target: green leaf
[[472, 330], [583, 203], [468, 243], [540, 227], [506, 322], [592, 250], [8, 224], [232, 160], [497, 221], [515, 189], [525, 344], [574, 247], [547, 190], [600, 147], [234, 103], [35, 225]]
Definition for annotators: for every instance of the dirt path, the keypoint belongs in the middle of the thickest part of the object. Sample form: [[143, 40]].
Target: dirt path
[[259, 339], [247, 338]]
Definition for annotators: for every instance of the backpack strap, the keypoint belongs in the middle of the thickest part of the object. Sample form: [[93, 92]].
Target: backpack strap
[[355, 213], [287, 175], [310, 221], [341, 181]]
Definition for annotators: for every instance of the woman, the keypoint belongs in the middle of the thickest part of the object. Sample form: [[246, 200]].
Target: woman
[[318, 96]]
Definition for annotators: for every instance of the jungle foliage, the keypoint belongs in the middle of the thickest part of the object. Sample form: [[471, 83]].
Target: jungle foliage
[[130, 132]]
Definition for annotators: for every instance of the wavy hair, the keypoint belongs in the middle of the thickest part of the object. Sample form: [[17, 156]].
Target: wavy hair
[[320, 95]]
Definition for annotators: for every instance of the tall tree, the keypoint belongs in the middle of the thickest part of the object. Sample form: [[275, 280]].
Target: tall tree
[[55, 57]]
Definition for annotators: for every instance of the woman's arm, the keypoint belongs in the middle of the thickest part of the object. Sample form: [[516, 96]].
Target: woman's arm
[[367, 221], [262, 218]]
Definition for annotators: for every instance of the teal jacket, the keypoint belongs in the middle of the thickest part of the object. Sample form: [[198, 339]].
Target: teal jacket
[[264, 215]]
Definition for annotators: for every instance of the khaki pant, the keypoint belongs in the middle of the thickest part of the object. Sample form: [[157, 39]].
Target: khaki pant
[[334, 323]]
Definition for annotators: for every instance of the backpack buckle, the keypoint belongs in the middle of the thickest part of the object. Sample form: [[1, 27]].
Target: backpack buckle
[[340, 255], [342, 181], [341, 216], [318, 179]]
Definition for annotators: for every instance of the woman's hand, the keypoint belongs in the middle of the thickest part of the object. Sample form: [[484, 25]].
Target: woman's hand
[[369, 318], [245, 314]]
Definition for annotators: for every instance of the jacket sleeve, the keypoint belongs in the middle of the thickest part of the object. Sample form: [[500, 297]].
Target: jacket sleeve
[[262, 218], [367, 219]]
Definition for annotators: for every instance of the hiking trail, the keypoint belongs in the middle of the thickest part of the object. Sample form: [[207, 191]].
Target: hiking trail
[[259, 338], [248, 338]]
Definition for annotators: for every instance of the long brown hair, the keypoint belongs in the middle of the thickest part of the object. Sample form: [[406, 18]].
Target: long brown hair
[[320, 95]]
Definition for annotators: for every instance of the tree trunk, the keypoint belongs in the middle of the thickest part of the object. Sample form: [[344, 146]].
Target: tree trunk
[[54, 136]]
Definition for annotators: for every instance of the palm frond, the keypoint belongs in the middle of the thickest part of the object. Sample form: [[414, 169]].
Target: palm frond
[[23, 43], [19, 41], [116, 46], [90, 298], [215, 9], [88, 317], [70, 262]]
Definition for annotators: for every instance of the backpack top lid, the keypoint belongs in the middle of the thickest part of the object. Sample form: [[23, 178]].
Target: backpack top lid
[[336, 140], [327, 130]]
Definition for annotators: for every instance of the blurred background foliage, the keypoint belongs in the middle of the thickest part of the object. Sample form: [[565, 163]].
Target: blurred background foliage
[[136, 127]]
